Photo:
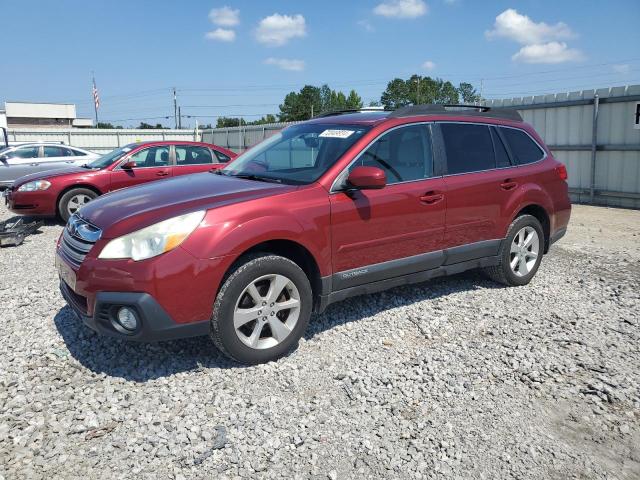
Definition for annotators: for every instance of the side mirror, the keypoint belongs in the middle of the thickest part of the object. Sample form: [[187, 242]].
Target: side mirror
[[129, 165], [367, 178]]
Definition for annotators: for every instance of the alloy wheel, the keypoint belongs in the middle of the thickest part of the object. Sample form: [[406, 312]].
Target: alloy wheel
[[76, 202], [524, 252], [267, 311]]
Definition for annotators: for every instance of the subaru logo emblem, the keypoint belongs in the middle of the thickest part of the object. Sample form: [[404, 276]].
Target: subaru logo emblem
[[83, 230]]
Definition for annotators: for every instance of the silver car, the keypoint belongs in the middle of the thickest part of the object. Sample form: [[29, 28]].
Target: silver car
[[19, 160]]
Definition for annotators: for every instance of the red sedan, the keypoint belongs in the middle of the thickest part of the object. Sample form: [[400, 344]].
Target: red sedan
[[62, 192]]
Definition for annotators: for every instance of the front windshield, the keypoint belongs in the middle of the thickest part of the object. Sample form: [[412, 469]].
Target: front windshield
[[106, 160], [297, 155]]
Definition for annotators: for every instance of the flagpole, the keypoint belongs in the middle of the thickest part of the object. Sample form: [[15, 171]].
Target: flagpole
[[93, 92]]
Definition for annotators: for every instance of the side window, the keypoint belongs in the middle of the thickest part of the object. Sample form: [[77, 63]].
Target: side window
[[502, 157], [77, 153], [222, 158], [523, 148], [53, 151], [404, 154], [192, 155], [469, 147], [151, 157], [25, 152]]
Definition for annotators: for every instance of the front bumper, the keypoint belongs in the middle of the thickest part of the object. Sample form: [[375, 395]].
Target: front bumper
[[30, 203], [154, 324]]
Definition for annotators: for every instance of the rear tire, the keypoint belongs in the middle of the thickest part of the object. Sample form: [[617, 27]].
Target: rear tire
[[262, 309], [71, 201], [520, 254]]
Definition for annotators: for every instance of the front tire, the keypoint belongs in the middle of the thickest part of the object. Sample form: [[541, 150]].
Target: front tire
[[73, 200], [262, 309], [520, 253]]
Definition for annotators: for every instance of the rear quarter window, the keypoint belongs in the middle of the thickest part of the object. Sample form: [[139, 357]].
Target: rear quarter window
[[523, 148]]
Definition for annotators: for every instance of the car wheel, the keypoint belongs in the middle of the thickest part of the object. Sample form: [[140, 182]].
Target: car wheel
[[520, 253], [73, 200], [262, 309]]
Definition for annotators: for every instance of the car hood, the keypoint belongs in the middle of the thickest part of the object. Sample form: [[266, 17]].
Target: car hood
[[48, 174], [131, 209]]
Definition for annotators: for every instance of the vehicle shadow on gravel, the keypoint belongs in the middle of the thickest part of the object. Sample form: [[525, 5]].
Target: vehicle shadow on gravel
[[139, 362], [358, 308]]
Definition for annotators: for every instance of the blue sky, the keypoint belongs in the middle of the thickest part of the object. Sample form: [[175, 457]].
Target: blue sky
[[241, 57]]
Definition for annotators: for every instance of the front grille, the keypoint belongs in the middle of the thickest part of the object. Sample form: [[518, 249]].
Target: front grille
[[78, 238]]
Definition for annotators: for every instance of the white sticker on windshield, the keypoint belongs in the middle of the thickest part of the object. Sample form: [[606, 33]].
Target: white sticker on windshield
[[336, 133]]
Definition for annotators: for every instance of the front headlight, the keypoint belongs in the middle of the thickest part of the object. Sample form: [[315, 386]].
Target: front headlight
[[34, 186], [153, 240]]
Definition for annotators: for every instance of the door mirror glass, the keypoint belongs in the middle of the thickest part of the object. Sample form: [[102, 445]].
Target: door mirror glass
[[129, 165], [367, 178]]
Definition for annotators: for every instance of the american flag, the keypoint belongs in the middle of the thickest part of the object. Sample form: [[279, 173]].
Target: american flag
[[96, 97]]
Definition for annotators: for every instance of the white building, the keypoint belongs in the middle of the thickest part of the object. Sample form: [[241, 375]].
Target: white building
[[31, 115]]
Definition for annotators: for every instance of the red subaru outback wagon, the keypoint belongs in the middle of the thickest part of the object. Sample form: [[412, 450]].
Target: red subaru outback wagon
[[63, 192], [341, 205]]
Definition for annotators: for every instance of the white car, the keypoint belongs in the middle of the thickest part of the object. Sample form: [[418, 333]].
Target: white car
[[19, 160]]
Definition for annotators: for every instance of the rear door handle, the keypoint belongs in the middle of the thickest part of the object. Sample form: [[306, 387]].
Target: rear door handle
[[508, 184], [163, 173], [431, 198]]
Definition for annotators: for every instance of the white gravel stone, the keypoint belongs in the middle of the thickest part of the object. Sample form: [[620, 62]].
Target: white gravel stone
[[457, 377]]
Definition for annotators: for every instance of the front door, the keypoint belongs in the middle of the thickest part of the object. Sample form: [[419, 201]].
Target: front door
[[378, 234], [151, 164]]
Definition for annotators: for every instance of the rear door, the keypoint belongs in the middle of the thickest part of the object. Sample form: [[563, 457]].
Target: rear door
[[20, 161], [151, 164], [378, 234], [477, 183], [193, 159]]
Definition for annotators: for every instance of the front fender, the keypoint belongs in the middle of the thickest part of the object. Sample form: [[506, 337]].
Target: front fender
[[219, 238]]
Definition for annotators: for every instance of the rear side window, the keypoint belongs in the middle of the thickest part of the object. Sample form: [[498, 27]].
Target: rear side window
[[222, 158], [523, 148], [78, 153], [469, 147], [192, 155], [54, 152], [404, 154]]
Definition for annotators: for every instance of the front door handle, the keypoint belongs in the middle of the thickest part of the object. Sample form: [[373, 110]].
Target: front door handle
[[431, 198], [163, 173], [508, 184]]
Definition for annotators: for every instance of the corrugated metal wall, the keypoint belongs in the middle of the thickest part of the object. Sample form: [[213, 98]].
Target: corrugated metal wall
[[100, 140], [565, 122], [239, 139]]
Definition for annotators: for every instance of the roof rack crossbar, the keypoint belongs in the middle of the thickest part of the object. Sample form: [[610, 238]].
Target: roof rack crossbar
[[472, 110], [349, 110]]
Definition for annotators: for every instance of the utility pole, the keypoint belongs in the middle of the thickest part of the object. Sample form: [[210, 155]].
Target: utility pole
[[481, 89], [179, 118], [418, 91], [175, 108], [312, 110]]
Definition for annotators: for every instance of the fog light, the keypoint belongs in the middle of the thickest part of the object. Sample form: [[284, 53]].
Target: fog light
[[127, 318]]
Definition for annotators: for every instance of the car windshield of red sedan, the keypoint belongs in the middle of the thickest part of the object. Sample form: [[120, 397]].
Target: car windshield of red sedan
[[297, 155], [105, 160]]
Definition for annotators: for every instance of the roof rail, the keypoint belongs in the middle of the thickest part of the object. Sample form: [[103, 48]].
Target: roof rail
[[471, 110], [350, 110]]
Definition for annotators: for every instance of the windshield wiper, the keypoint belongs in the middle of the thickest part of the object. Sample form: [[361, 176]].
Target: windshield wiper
[[259, 178]]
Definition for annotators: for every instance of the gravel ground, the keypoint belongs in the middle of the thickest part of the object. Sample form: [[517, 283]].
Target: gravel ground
[[454, 378]]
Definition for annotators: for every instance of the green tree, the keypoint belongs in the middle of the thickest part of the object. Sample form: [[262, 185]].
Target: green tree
[[105, 125], [302, 105], [468, 93], [224, 122], [354, 100], [147, 126], [420, 90]]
